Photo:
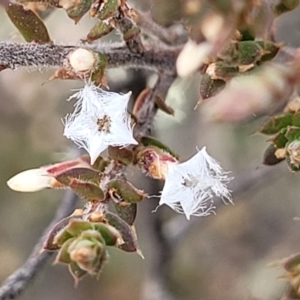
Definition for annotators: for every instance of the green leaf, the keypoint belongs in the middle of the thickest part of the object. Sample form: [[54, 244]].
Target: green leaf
[[128, 235], [292, 133], [83, 174], [270, 50], [279, 140], [122, 155], [296, 119], [28, 23], [77, 226], [249, 52], [108, 10], [151, 141], [274, 124], [76, 271], [110, 234], [210, 87], [87, 191], [63, 255], [57, 236], [79, 10], [99, 30], [121, 190], [127, 212]]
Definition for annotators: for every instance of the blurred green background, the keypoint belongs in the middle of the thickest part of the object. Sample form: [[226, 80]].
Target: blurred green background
[[220, 257]]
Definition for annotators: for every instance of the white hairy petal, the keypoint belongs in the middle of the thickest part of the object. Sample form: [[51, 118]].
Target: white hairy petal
[[100, 119], [190, 186]]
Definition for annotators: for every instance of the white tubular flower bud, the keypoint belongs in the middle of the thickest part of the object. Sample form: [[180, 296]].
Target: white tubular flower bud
[[32, 180]]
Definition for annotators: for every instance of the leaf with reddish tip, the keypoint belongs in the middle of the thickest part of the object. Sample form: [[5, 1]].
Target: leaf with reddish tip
[[121, 190], [128, 235], [127, 212], [275, 124], [28, 23], [53, 241], [82, 174], [161, 104], [122, 155], [86, 190]]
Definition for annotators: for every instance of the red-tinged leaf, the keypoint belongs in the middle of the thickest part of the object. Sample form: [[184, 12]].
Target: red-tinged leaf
[[122, 155], [128, 235], [127, 212], [53, 241], [121, 190], [82, 174], [28, 23], [274, 124], [161, 104], [87, 191]]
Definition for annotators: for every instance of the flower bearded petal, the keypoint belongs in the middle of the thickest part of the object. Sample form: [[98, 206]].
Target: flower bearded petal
[[100, 119], [190, 186]]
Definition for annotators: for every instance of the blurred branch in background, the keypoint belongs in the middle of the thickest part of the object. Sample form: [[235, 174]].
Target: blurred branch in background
[[16, 283]]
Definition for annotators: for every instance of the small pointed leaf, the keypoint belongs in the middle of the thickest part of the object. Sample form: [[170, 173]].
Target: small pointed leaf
[[82, 174], [124, 191], [100, 29], [279, 140], [122, 155], [151, 141], [292, 133], [274, 124], [28, 23], [76, 272], [127, 212], [87, 191], [128, 235], [63, 255], [109, 9]]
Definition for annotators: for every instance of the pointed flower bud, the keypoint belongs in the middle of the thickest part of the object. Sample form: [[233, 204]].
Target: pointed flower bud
[[32, 180], [100, 120], [190, 186]]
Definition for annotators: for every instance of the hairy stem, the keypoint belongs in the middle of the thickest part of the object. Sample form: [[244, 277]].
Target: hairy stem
[[18, 281], [15, 55]]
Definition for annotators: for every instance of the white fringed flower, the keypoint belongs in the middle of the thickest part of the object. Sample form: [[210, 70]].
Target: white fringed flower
[[100, 119], [190, 186]]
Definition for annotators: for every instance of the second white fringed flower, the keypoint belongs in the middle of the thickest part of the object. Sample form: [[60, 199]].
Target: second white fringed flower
[[190, 186], [100, 119]]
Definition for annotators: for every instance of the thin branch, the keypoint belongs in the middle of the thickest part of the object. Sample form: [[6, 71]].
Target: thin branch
[[16, 55], [18, 281]]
